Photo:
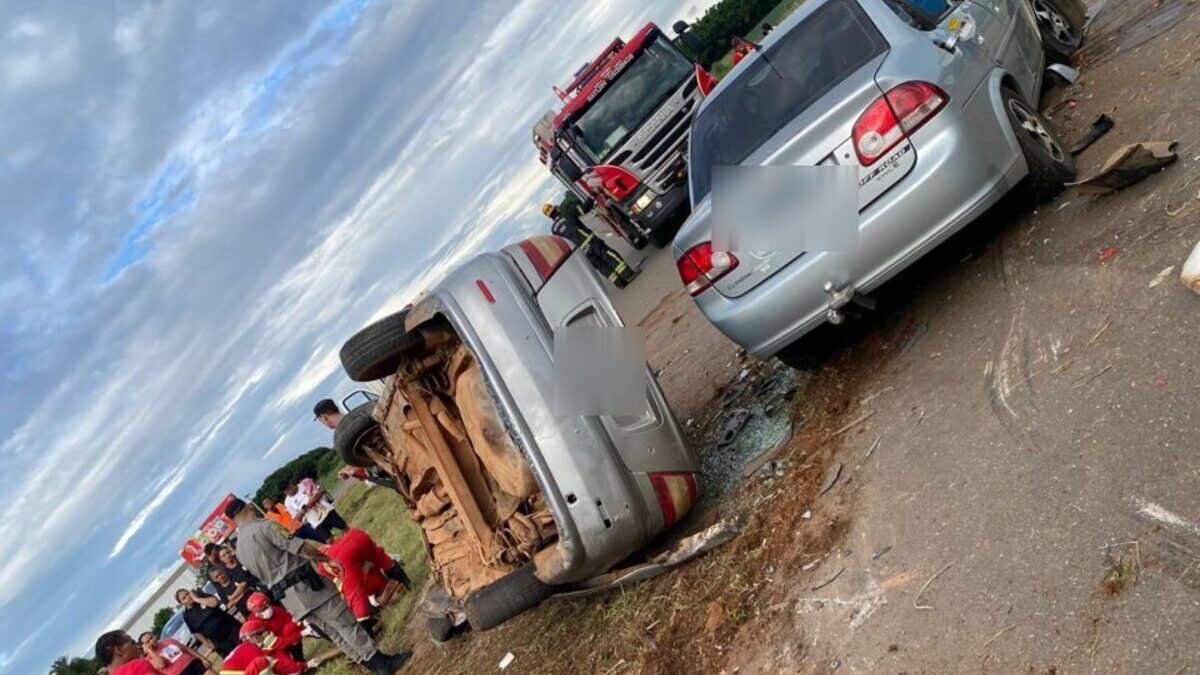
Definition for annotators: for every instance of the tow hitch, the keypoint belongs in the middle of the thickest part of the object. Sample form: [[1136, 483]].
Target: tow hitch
[[843, 302]]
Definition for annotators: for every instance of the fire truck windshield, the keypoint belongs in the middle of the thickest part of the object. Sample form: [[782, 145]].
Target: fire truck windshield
[[630, 98]]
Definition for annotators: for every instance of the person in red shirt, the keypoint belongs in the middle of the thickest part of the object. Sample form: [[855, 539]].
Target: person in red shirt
[[172, 657], [288, 636], [120, 655], [255, 655], [366, 569]]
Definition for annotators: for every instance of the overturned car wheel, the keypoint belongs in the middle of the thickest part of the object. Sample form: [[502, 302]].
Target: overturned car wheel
[[505, 598], [374, 352], [350, 431], [440, 628]]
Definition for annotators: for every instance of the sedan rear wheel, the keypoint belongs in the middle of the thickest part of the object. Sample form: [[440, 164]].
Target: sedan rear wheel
[[1060, 36], [1050, 165]]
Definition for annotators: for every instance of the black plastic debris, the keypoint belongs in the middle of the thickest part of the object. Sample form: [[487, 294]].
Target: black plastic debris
[[1127, 166], [1101, 126]]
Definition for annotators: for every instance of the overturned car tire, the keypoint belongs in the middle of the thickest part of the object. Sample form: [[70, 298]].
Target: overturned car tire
[[440, 628], [374, 352], [350, 431], [505, 598]]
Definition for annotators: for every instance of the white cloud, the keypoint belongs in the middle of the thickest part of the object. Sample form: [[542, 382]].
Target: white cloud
[[139, 521]]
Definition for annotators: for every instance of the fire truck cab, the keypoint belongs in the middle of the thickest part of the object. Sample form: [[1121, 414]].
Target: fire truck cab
[[620, 137]]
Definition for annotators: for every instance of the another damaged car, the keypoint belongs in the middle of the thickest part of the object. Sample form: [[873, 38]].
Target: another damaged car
[[514, 501], [932, 103]]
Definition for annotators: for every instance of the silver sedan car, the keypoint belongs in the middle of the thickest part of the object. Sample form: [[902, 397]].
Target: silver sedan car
[[933, 102]]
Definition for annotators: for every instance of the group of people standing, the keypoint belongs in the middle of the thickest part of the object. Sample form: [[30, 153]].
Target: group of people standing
[[267, 587], [287, 569]]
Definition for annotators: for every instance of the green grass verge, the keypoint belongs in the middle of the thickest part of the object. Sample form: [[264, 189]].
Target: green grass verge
[[383, 515], [773, 17]]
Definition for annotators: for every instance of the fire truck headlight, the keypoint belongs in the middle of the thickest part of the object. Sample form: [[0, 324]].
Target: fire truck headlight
[[642, 202]]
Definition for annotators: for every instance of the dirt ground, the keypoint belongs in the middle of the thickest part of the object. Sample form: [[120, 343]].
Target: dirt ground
[[1020, 489]]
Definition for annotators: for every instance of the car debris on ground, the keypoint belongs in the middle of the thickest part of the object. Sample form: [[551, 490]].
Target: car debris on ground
[[1127, 166], [753, 421], [1101, 126]]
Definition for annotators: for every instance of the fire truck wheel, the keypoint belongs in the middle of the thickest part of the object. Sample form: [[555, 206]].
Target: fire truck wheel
[[350, 430], [373, 353], [505, 598]]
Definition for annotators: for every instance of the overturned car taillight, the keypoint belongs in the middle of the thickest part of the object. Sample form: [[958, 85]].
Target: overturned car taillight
[[677, 494]]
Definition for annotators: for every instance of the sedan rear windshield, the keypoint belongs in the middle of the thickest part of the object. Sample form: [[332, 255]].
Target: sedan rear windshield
[[772, 90]]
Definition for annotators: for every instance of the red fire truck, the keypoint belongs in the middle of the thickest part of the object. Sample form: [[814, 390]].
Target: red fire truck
[[620, 137]]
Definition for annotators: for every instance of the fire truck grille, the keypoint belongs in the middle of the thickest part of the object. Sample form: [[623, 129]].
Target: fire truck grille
[[656, 160]]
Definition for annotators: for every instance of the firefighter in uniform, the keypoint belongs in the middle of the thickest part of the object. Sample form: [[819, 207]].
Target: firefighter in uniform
[[364, 570], [256, 656], [607, 262], [279, 623], [284, 565]]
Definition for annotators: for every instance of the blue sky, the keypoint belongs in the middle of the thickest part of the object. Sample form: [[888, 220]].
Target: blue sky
[[199, 202]]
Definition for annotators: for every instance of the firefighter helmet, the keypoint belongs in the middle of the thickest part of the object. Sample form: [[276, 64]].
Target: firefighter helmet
[[549, 210], [257, 602], [252, 627]]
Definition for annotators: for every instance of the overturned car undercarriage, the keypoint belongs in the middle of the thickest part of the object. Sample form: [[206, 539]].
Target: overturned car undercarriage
[[442, 440]]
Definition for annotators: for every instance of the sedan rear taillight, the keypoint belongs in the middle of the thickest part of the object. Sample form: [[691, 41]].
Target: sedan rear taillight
[[902, 110], [676, 492], [701, 266]]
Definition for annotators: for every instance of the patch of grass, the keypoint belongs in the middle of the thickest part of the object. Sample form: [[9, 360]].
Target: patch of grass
[[1118, 577], [774, 17], [1122, 571], [382, 514]]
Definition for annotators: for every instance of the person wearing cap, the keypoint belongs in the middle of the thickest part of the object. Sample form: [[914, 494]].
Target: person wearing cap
[[569, 225], [285, 566], [256, 656], [328, 413], [279, 622], [120, 655], [172, 657], [365, 569]]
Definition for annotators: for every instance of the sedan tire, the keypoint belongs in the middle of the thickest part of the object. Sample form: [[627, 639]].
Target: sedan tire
[[1051, 165], [1061, 25]]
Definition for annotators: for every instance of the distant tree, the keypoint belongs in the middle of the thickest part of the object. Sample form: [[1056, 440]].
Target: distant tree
[[76, 666], [161, 617], [725, 20], [307, 465]]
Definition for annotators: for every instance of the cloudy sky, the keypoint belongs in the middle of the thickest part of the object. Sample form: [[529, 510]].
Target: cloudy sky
[[199, 202]]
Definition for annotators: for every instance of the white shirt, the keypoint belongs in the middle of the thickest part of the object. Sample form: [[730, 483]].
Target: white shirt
[[304, 491]]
